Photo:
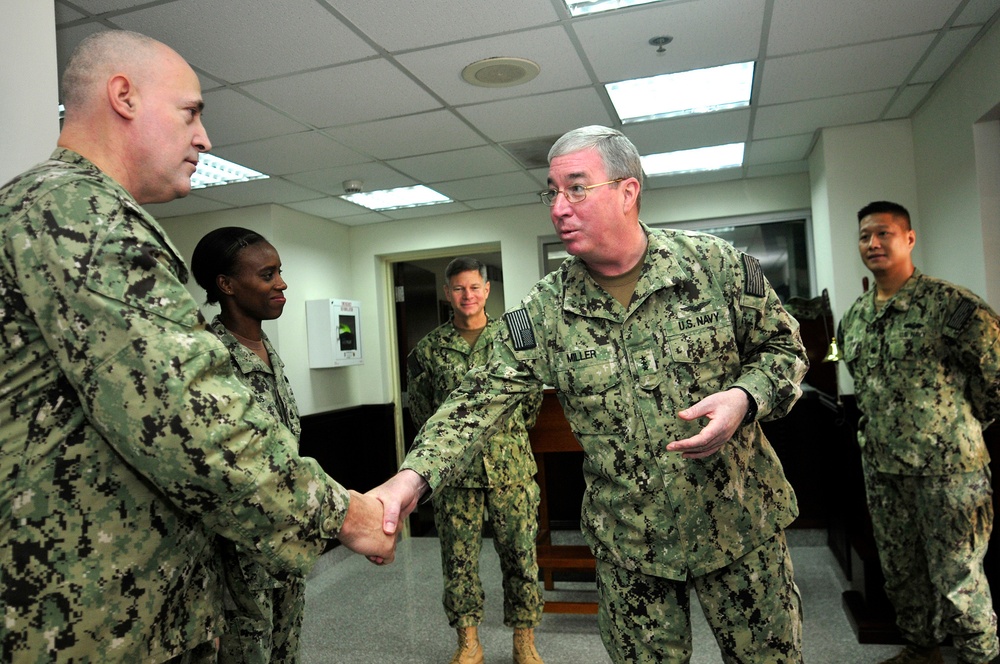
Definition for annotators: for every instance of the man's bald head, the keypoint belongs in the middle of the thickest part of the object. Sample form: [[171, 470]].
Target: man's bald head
[[133, 108], [100, 56]]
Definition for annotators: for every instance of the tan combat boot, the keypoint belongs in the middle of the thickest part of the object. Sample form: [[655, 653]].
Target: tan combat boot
[[470, 650], [524, 647]]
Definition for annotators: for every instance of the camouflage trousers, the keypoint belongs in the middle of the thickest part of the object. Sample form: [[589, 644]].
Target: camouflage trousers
[[752, 606], [263, 615], [932, 533], [513, 513]]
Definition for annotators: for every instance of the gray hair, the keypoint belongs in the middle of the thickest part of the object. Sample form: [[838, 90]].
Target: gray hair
[[619, 155], [96, 57]]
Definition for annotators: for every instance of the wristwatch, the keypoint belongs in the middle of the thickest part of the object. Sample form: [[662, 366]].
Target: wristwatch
[[751, 413]]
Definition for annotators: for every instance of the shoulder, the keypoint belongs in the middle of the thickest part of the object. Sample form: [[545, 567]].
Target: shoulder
[[66, 186], [693, 244], [956, 305]]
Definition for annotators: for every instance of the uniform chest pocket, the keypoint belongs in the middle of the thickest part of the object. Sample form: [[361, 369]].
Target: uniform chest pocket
[[704, 359], [851, 351], [909, 346], [588, 378], [447, 378], [703, 344]]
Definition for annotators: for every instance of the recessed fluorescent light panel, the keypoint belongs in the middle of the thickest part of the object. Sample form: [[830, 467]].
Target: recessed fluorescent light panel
[[581, 7], [400, 197], [683, 93], [712, 158], [214, 171]]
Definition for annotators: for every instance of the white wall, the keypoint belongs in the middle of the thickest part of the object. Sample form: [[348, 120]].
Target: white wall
[[315, 263], [28, 81], [952, 225], [851, 167]]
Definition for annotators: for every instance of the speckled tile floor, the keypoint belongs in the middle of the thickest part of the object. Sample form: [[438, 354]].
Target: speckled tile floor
[[357, 613]]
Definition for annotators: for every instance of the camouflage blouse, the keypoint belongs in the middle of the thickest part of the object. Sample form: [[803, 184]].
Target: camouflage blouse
[[926, 369], [703, 319], [435, 367], [126, 443]]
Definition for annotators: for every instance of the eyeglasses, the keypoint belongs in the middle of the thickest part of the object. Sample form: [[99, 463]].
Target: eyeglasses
[[574, 193]]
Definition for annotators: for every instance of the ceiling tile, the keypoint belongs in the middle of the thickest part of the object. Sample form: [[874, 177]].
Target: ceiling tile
[[943, 54], [505, 184], [690, 131], [807, 116], [456, 164], [540, 115], [179, 207], [66, 14], [255, 120], [292, 153], [400, 26], [774, 150], [441, 68], [841, 71], [105, 6], [908, 100], [706, 33], [702, 177], [335, 208], [508, 201], [373, 175], [426, 211], [978, 12], [783, 168], [436, 131], [243, 41], [809, 25], [347, 94], [257, 192]]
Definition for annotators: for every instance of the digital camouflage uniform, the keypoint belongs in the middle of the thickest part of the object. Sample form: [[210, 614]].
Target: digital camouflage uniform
[[263, 613], [128, 446], [703, 319], [499, 480], [926, 366]]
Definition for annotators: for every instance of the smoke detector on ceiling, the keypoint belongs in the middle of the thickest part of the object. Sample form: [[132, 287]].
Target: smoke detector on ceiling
[[500, 72], [353, 186]]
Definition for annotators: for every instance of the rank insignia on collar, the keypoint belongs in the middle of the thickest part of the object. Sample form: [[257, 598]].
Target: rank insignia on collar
[[520, 329]]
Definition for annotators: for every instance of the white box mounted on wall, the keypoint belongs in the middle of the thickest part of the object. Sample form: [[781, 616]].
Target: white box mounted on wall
[[333, 328]]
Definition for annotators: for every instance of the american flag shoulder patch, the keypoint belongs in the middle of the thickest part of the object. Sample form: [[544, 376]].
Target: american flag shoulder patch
[[961, 315], [519, 325], [754, 282]]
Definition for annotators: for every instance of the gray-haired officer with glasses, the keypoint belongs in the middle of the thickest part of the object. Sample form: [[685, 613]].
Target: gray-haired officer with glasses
[[666, 348]]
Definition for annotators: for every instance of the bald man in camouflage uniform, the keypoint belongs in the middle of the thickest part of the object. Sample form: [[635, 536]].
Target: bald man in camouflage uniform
[[499, 481], [127, 443], [925, 358], [645, 333]]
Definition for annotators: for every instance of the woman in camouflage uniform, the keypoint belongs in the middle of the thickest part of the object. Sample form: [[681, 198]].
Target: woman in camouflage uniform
[[241, 272]]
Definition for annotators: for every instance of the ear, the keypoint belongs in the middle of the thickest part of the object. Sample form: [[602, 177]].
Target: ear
[[630, 194], [123, 96], [222, 283], [486, 289]]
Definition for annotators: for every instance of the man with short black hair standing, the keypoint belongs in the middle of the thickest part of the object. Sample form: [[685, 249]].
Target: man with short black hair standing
[[925, 358]]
